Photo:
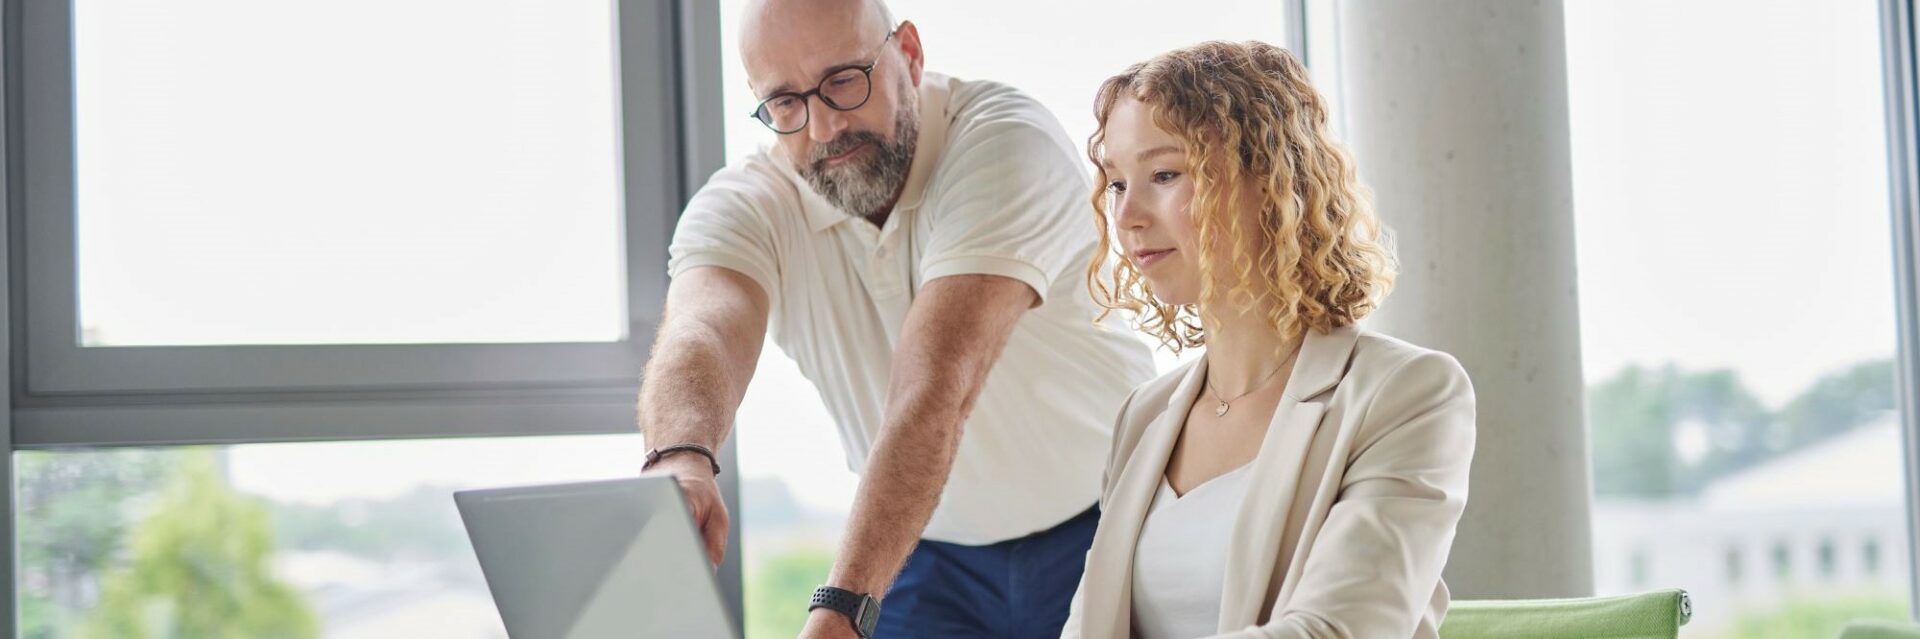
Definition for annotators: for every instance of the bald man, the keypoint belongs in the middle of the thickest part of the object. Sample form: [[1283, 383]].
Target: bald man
[[918, 245]]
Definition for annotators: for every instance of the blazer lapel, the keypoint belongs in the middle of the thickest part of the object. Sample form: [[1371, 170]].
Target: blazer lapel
[[1109, 577], [1275, 476]]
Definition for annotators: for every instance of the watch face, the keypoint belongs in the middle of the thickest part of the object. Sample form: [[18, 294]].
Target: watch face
[[869, 615]]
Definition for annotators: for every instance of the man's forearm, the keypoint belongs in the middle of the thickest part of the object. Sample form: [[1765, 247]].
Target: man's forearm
[[953, 337], [898, 492], [703, 358], [689, 393]]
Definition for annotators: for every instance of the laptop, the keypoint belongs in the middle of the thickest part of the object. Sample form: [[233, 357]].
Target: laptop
[[595, 560]]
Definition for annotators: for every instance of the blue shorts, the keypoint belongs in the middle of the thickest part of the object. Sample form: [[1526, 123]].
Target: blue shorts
[[1018, 588]]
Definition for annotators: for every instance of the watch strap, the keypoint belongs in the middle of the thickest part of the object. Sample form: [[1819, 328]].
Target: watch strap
[[861, 610]]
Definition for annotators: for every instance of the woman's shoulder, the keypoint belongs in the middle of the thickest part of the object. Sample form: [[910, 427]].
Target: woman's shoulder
[[1387, 371], [1380, 354]]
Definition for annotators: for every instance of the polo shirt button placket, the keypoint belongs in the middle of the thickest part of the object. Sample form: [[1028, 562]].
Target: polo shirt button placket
[[880, 274]]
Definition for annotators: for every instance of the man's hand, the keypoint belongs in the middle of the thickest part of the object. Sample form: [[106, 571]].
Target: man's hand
[[697, 482], [827, 624]]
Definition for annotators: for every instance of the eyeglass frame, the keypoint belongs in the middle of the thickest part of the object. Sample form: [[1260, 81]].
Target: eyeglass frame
[[806, 104]]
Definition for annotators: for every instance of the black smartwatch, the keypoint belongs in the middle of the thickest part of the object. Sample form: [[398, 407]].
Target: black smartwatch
[[862, 610]]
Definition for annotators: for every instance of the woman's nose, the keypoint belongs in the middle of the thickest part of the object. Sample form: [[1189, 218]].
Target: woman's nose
[[1129, 214]]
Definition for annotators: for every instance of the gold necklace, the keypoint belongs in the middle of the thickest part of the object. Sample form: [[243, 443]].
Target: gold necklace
[[1220, 410]]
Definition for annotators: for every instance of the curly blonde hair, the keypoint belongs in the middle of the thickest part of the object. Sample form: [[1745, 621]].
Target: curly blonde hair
[[1310, 256]]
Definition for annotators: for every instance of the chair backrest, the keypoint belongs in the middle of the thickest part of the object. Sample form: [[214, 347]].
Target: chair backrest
[[1649, 615], [1880, 630]]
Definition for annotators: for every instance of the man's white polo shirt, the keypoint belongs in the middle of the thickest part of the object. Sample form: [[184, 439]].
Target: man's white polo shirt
[[995, 188]]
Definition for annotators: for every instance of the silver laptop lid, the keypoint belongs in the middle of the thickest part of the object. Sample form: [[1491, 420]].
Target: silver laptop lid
[[594, 560]]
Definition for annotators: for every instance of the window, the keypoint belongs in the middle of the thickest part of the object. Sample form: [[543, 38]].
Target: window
[[216, 205], [343, 539], [308, 193], [1322, 33], [1639, 568], [790, 452], [1731, 207], [1870, 557], [272, 260]]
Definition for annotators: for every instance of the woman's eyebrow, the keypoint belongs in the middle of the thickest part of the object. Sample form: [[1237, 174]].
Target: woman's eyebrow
[[1143, 156], [1158, 150]]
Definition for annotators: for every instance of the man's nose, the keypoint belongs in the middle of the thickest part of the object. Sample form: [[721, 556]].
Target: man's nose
[[824, 123]]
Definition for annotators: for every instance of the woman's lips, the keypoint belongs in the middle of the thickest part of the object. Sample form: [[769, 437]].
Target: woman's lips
[[1146, 257]]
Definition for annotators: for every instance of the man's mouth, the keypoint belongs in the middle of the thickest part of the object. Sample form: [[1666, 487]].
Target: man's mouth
[[843, 157]]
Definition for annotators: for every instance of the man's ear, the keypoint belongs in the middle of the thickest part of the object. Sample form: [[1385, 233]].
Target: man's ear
[[916, 58]]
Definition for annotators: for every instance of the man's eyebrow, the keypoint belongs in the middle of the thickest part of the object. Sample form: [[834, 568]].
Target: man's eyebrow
[[786, 87]]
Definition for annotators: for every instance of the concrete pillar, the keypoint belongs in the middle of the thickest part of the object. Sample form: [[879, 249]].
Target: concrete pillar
[[1457, 114]]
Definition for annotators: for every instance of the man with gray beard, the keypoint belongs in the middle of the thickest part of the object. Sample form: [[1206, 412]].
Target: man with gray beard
[[918, 245]]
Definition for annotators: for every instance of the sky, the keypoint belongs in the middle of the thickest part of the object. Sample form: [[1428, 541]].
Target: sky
[[1729, 183]]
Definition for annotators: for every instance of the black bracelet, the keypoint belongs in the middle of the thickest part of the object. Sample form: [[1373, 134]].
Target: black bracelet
[[653, 456]]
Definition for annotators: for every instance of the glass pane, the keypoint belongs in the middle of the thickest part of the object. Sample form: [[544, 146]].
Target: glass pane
[[796, 490], [1737, 309], [301, 173], [1323, 59], [342, 540]]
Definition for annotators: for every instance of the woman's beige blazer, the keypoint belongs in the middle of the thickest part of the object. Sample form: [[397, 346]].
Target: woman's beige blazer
[[1351, 503]]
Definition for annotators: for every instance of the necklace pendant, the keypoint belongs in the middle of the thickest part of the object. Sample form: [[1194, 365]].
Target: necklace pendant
[[1221, 410]]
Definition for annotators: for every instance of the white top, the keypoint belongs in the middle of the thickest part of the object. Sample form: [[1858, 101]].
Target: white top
[[996, 188], [1180, 562]]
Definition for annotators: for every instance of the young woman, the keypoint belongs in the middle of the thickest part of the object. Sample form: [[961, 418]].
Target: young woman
[[1303, 478]]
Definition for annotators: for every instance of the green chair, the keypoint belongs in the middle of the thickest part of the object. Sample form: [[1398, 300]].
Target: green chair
[[1649, 615], [1880, 630]]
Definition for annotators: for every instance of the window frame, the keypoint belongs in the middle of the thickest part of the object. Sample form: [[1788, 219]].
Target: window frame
[[57, 365], [67, 395], [1898, 65], [9, 626]]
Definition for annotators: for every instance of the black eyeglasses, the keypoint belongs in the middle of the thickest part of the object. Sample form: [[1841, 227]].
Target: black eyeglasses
[[843, 90]]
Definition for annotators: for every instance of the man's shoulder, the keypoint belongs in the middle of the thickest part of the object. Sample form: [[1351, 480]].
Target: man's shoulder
[[987, 99], [996, 131], [982, 110], [757, 181], [758, 171]]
